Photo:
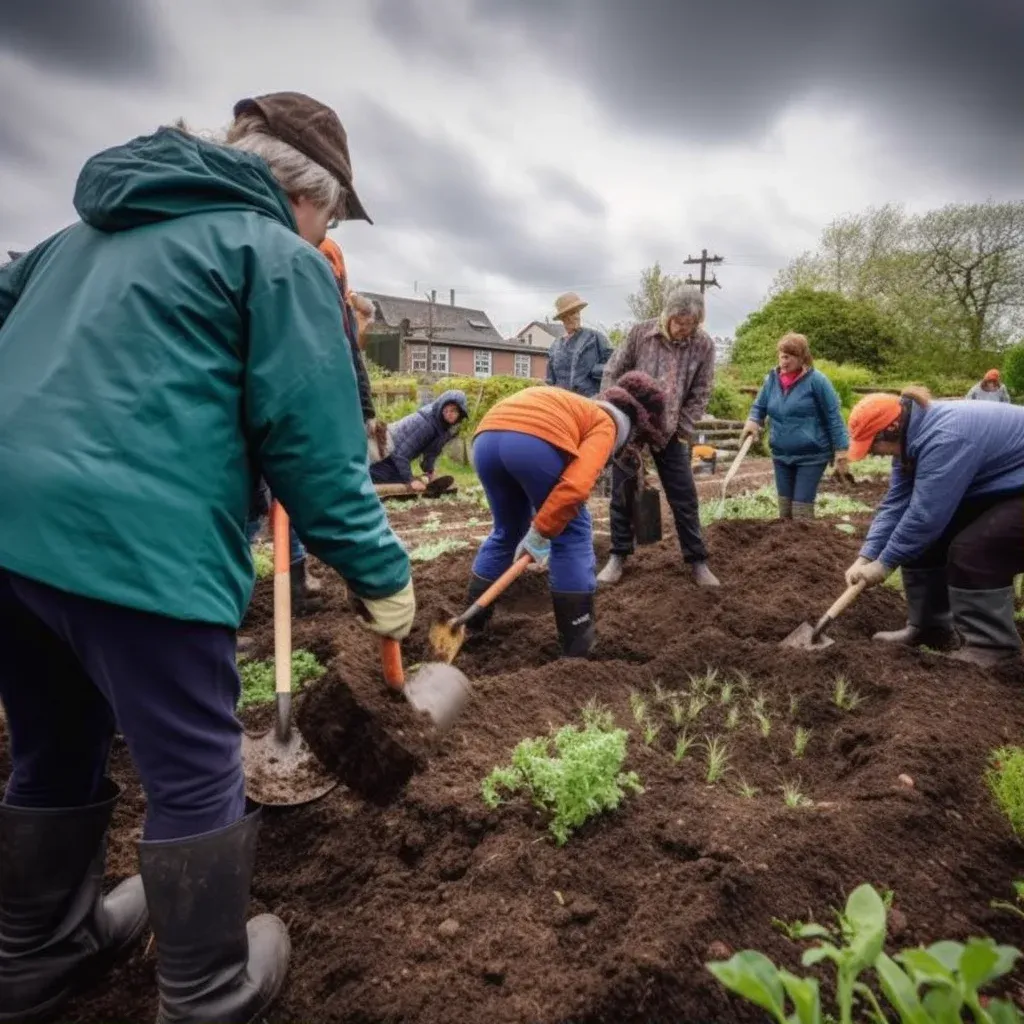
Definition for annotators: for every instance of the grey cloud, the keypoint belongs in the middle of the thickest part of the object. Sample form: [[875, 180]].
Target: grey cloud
[[558, 185], [106, 39], [432, 185]]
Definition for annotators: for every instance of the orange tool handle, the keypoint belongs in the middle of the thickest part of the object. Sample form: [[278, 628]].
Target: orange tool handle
[[502, 583], [391, 662], [279, 529]]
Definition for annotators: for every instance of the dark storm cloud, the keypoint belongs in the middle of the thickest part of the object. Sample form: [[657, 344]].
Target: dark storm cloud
[[557, 185], [103, 39], [430, 184]]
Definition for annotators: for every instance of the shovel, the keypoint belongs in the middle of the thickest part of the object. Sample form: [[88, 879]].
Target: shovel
[[740, 456], [448, 636], [811, 638], [437, 689], [280, 769]]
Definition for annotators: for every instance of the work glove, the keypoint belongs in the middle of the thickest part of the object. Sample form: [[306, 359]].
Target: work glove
[[387, 616], [752, 428], [536, 546], [872, 573], [841, 468]]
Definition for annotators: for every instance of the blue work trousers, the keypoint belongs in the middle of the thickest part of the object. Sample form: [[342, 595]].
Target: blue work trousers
[[518, 472], [72, 670], [798, 482]]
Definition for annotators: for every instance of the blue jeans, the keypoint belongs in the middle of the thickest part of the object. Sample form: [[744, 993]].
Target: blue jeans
[[74, 669], [798, 483], [518, 472]]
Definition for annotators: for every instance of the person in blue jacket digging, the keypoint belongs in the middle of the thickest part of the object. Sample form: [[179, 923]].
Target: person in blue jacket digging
[[952, 520], [422, 435], [807, 429]]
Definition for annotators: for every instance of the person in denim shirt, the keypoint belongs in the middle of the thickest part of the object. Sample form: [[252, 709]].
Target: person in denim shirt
[[576, 362]]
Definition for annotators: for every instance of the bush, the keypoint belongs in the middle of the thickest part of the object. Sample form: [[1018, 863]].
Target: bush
[[1013, 369], [482, 394], [844, 379], [727, 401]]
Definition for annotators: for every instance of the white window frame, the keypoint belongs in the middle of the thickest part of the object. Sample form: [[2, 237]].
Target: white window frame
[[477, 372], [417, 358], [439, 359], [525, 357]]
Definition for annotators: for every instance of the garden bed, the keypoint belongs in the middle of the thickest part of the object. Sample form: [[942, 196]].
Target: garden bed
[[430, 907]]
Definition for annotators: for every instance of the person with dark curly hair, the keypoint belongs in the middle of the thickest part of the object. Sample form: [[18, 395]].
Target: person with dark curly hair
[[538, 454]]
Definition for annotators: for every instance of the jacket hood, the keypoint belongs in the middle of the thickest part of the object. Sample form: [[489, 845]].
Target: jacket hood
[[170, 174], [450, 397]]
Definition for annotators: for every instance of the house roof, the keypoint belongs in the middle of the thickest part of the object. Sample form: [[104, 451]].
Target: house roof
[[453, 325], [555, 328]]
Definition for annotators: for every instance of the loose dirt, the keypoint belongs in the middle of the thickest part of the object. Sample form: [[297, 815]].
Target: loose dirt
[[430, 908]]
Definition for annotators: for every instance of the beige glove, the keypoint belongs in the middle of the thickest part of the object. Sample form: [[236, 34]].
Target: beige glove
[[387, 616], [853, 573], [752, 428], [842, 464]]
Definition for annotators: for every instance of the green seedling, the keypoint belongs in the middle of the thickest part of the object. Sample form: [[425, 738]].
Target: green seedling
[[573, 774], [732, 720], [1014, 908], [597, 715], [677, 711], [257, 677], [764, 724], [726, 692], [435, 549], [742, 681], [801, 737], [745, 790], [922, 986], [717, 759], [660, 695], [759, 705], [792, 797], [695, 706], [1005, 779], [794, 705], [793, 930], [844, 696], [651, 733], [683, 745], [639, 708], [704, 684]]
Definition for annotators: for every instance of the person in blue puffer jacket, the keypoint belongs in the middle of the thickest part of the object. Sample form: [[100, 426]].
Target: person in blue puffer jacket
[[422, 436], [807, 427]]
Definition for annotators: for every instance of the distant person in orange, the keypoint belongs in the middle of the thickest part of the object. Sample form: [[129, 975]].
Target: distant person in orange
[[538, 454], [990, 389]]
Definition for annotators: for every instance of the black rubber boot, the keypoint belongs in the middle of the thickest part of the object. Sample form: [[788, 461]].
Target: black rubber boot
[[477, 585], [211, 964], [574, 617], [57, 930], [985, 620], [929, 620], [303, 603], [785, 508]]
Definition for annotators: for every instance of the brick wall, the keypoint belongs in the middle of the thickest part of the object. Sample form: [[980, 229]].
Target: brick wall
[[461, 362]]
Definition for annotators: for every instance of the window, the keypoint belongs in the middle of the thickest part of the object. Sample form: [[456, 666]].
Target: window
[[438, 360], [482, 363], [480, 325], [522, 365], [418, 358]]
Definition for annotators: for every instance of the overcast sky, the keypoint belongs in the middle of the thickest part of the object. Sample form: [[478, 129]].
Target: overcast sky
[[514, 149]]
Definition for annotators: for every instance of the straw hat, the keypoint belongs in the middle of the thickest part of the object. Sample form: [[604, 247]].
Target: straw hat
[[568, 303]]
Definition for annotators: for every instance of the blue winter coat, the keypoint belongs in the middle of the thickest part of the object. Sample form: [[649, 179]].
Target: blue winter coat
[[577, 362], [807, 424], [424, 434], [959, 450]]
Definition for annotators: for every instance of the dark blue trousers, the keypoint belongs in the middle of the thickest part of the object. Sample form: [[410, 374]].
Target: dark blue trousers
[[798, 482], [518, 472], [72, 670], [386, 472]]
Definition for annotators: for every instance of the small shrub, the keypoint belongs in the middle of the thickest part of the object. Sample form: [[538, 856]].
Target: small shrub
[[583, 776], [1005, 778], [1013, 369]]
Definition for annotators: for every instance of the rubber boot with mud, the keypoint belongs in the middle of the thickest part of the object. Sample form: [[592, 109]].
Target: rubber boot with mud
[[703, 576], [612, 572], [313, 585], [477, 585], [803, 509], [302, 602], [210, 964], [785, 508], [929, 620], [58, 931], [574, 618], [985, 621], [244, 646]]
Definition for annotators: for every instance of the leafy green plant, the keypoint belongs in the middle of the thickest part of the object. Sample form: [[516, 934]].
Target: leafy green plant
[[732, 719], [258, 677], [683, 744], [717, 754], [725, 693], [696, 705], [792, 797], [677, 711], [573, 774], [923, 986], [263, 561], [638, 706], [435, 549], [745, 790], [844, 696], [801, 737], [1005, 779], [764, 504], [764, 724], [651, 732], [1014, 908]]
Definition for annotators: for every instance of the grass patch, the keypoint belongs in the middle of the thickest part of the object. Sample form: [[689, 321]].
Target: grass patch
[[1005, 778], [263, 561], [258, 677], [436, 548], [764, 504]]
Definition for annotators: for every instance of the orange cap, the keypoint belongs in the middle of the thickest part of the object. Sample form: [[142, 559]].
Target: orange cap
[[869, 417], [992, 375]]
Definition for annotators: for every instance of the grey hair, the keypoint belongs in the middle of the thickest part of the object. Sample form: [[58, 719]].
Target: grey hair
[[684, 300], [295, 172]]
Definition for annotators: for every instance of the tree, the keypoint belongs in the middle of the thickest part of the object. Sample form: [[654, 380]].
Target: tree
[[1013, 370], [648, 302], [840, 329]]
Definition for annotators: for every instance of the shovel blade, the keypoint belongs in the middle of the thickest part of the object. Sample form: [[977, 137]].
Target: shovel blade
[[802, 638], [283, 772], [440, 691]]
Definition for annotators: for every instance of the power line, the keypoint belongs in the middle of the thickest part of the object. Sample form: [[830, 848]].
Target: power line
[[705, 282]]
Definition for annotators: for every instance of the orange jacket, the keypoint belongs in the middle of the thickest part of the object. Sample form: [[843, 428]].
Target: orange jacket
[[575, 425]]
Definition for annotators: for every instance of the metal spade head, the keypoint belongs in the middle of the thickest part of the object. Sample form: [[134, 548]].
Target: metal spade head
[[804, 638], [281, 771], [438, 690]]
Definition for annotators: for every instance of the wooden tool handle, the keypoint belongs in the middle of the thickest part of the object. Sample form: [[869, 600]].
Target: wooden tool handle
[[845, 600], [282, 600], [391, 662], [740, 456], [496, 589]]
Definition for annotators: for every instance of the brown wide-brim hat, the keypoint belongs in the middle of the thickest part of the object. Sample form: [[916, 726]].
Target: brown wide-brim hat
[[315, 131], [568, 303]]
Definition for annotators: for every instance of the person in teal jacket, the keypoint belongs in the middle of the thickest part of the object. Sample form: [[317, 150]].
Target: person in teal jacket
[[807, 430], [155, 358]]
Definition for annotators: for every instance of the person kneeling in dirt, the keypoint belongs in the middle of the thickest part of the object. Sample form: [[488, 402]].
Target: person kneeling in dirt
[[422, 436], [157, 356], [677, 352], [952, 519], [544, 449]]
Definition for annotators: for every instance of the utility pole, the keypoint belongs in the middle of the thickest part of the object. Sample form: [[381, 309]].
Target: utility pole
[[430, 330], [704, 282]]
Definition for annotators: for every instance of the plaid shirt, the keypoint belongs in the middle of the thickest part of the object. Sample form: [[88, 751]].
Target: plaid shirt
[[685, 369]]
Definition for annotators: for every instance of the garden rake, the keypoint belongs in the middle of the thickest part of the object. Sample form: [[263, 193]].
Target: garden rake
[[280, 769]]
